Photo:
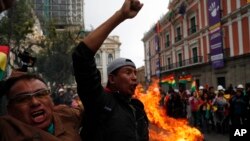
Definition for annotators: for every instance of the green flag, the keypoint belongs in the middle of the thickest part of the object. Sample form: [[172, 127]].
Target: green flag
[[193, 86]]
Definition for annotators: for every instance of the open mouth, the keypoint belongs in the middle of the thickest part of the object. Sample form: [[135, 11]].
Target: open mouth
[[133, 87], [38, 116]]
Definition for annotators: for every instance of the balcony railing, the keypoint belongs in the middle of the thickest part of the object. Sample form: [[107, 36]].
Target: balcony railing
[[192, 30], [177, 38], [185, 63]]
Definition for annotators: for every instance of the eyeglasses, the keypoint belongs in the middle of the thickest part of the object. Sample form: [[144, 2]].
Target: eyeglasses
[[25, 98]]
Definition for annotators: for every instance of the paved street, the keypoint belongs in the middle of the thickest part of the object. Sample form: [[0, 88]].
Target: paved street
[[216, 137], [212, 136]]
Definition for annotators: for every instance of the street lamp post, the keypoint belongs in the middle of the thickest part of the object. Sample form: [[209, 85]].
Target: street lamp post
[[159, 60], [158, 42]]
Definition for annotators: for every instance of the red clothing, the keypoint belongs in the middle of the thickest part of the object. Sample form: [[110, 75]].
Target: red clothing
[[195, 104], [66, 122]]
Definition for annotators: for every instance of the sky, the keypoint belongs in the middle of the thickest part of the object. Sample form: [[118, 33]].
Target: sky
[[131, 31]]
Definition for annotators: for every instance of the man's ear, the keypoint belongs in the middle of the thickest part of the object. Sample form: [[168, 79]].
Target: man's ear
[[111, 79]]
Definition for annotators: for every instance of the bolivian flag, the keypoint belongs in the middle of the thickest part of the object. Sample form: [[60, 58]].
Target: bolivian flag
[[173, 83], [193, 86], [4, 52]]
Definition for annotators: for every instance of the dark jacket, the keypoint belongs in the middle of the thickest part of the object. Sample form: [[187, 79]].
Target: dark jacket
[[109, 116]]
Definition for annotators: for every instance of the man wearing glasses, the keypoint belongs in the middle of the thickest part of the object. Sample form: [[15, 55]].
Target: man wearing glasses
[[32, 114]]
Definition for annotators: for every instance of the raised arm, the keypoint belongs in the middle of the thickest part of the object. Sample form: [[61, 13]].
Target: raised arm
[[129, 9]]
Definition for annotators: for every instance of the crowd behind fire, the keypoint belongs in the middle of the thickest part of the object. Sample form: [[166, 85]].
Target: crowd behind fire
[[207, 108], [210, 108]]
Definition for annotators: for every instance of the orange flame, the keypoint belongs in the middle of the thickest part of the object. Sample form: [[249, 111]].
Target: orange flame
[[162, 127]]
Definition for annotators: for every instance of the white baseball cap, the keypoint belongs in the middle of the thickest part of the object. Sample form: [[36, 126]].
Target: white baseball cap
[[240, 86], [220, 88], [61, 90], [201, 88]]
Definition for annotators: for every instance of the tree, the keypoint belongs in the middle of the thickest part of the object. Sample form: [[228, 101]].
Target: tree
[[54, 61], [16, 25]]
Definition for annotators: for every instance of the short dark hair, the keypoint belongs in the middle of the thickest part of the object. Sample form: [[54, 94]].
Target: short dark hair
[[7, 84], [115, 72]]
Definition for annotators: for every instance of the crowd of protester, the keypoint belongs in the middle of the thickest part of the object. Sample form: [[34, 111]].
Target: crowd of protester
[[67, 96], [209, 108]]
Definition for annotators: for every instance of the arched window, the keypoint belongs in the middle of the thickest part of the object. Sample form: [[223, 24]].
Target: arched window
[[110, 58], [97, 59]]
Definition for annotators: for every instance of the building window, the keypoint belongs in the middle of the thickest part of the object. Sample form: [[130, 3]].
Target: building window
[[110, 58], [169, 63], [180, 59], [97, 59], [178, 33], [193, 26], [195, 55], [167, 42]]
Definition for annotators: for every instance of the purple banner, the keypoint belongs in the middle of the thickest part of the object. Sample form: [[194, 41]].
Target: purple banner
[[216, 49], [158, 65], [215, 35], [157, 43], [214, 14]]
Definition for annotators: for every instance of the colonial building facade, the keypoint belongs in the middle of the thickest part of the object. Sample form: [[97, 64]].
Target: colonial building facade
[[141, 75], [206, 41], [109, 51]]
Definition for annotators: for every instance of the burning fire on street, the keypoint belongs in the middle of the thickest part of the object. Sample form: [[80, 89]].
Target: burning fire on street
[[162, 127]]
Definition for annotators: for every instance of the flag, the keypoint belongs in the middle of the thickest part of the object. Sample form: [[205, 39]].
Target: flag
[[173, 83], [157, 43], [185, 78], [164, 80], [4, 52], [170, 16], [188, 77], [158, 65], [168, 79], [193, 86], [182, 9], [158, 28]]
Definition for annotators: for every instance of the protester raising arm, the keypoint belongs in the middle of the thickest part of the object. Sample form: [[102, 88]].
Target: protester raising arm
[[83, 57], [111, 113]]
